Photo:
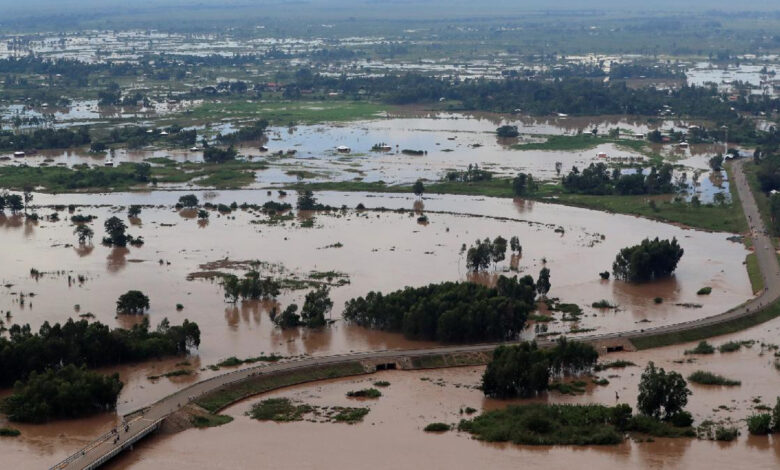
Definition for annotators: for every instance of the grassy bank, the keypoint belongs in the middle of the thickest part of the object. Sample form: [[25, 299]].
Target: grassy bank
[[754, 272], [229, 394], [666, 339]]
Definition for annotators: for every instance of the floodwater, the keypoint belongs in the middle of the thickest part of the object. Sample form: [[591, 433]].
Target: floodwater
[[452, 142], [391, 436], [381, 251]]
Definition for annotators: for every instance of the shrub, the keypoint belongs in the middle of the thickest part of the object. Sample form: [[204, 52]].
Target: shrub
[[604, 275], [683, 419], [702, 348], [708, 378], [602, 304], [437, 427], [365, 393], [726, 434], [760, 424], [9, 432], [382, 383], [658, 300], [731, 346], [704, 291]]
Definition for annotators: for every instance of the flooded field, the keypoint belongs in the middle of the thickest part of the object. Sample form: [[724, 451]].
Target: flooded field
[[450, 142]]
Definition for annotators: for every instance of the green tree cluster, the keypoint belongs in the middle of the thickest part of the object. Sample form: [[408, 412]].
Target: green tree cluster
[[449, 311], [250, 287], [651, 259], [524, 370], [90, 344]]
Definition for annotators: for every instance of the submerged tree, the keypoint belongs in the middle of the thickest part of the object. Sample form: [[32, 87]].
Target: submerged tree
[[84, 233], [115, 229], [133, 301], [543, 282], [316, 306], [661, 394], [651, 259], [418, 188]]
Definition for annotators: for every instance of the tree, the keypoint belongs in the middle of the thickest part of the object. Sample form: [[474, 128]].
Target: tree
[[203, 215], [524, 184], [716, 162], [218, 155], [507, 131], [15, 203], [134, 211], [316, 305], [289, 318], [133, 301], [115, 229], [543, 282], [28, 197], [661, 394], [84, 233], [498, 250], [307, 201], [776, 416], [478, 257], [189, 201], [651, 259], [418, 188], [514, 245], [524, 370]]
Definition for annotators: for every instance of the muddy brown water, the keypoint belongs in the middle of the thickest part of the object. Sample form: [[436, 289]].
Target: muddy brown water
[[382, 251], [391, 435]]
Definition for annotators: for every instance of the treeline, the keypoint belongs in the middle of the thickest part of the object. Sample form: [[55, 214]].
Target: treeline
[[250, 287], [450, 311], [251, 132], [524, 370], [67, 392], [596, 179], [44, 139], [89, 344], [651, 259]]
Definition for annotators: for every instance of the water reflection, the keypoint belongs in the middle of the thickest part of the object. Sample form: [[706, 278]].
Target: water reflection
[[117, 259]]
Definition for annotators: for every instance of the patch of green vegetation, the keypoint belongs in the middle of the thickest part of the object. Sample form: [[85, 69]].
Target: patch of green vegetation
[[223, 397], [619, 364], [279, 410], [583, 141], [702, 348], [704, 291], [210, 420], [173, 373], [9, 432], [227, 179], [382, 383], [733, 346], [731, 326], [437, 427], [349, 415], [365, 393], [708, 378], [602, 304], [539, 424], [233, 361], [754, 272], [568, 388], [284, 112]]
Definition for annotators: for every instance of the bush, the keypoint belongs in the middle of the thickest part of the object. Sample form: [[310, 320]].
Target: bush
[[9, 432], [704, 291], [725, 434], [708, 378], [683, 419], [382, 383], [760, 424], [702, 348], [658, 300], [437, 427], [602, 304], [365, 393], [604, 275]]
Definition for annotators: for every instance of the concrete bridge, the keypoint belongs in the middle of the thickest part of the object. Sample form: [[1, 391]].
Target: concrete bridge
[[144, 421]]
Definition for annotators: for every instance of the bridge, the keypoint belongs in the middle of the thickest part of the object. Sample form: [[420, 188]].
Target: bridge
[[142, 422]]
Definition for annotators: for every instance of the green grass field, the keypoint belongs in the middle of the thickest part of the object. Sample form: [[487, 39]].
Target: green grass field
[[285, 112]]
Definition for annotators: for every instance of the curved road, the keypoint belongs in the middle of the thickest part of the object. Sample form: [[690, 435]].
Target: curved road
[[147, 420]]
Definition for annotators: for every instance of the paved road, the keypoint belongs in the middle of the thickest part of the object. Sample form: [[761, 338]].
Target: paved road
[[141, 424]]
